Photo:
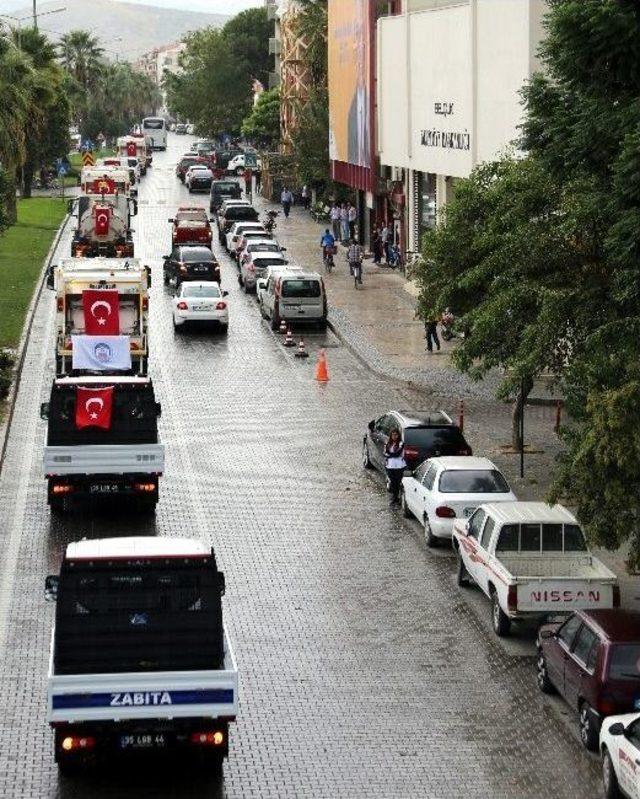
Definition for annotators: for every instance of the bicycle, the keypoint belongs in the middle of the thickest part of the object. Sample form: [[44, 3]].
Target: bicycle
[[356, 271], [327, 257]]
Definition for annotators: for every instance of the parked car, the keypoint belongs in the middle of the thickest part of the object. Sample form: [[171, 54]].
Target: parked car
[[247, 236], [426, 434], [242, 161], [191, 226], [224, 156], [201, 301], [266, 245], [593, 661], [620, 750], [221, 190], [185, 162], [230, 212], [198, 178], [190, 129], [190, 263], [294, 298], [256, 267], [531, 559], [181, 129], [443, 489], [234, 234], [271, 272]]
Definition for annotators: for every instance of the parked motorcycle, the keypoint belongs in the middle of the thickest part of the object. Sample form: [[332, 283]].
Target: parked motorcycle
[[446, 325]]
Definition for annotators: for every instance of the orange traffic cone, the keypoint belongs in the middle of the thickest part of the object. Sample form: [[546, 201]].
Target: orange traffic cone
[[283, 327], [288, 340], [301, 352], [322, 373]]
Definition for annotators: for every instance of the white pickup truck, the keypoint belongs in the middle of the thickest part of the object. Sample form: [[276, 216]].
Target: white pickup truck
[[102, 440], [531, 560], [140, 659]]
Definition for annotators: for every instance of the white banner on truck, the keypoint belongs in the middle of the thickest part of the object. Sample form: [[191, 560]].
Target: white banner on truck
[[101, 353]]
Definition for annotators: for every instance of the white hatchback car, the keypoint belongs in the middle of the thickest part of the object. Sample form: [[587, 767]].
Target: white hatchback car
[[200, 301], [234, 235], [443, 489], [260, 245], [255, 267]]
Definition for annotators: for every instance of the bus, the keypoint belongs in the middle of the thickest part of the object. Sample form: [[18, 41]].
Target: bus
[[156, 129]]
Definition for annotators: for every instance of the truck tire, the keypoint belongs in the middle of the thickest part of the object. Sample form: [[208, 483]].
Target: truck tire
[[589, 728], [501, 622], [463, 574], [544, 683]]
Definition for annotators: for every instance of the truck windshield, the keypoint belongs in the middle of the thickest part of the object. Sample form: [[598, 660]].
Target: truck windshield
[[146, 615], [153, 124], [473, 481], [301, 288], [625, 662]]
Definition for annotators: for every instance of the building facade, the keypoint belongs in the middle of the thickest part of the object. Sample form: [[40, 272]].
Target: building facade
[[158, 61], [449, 74]]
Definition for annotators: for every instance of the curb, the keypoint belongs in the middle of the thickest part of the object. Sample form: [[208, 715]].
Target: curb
[[24, 338]]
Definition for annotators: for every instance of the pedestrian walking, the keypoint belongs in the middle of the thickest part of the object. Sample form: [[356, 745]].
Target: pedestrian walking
[[344, 223], [384, 240], [376, 245], [258, 181], [352, 215], [306, 197], [335, 220], [247, 182], [431, 332], [355, 256], [395, 464], [286, 198]]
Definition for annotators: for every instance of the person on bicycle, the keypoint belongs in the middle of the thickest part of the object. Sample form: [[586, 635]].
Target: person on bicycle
[[355, 254], [327, 242]]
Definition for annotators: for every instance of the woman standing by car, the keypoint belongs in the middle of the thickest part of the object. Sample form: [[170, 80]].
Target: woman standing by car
[[395, 464]]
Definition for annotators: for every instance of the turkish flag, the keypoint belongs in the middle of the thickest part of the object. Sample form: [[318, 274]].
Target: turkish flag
[[93, 407], [101, 309], [101, 219], [131, 149]]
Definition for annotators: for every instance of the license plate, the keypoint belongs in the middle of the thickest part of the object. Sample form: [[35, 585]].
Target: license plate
[[105, 488], [469, 512], [200, 268], [200, 308], [143, 741]]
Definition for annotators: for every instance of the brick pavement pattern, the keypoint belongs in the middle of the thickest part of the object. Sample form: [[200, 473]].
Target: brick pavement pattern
[[364, 671]]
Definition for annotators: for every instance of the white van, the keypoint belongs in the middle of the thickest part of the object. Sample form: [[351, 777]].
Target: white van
[[294, 297], [155, 129]]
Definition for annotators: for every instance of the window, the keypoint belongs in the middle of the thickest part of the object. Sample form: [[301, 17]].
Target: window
[[476, 522], [437, 440], [420, 472], [473, 481], [593, 656], [632, 733], [301, 288], [568, 630], [508, 540], [574, 539], [625, 662], [200, 291], [384, 423], [197, 255], [530, 538], [487, 532], [430, 477], [552, 538], [585, 642]]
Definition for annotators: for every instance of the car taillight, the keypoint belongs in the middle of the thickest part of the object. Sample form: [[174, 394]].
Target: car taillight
[[411, 452], [134, 345], [512, 598], [220, 306], [144, 488], [74, 742], [616, 596], [208, 738], [183, 268], [62, 489], [60, 304], [182, 306], [445, 512]]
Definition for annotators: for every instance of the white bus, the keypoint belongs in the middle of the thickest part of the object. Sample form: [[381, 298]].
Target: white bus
[[156, 129]]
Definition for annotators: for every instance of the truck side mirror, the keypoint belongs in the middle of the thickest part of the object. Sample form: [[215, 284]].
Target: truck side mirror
[[158, 409], [134, 208], [70, 206], [372, 425], [225, 293], [50, 279], [51, 582], [44, 410], [147, 269], [171, 221]]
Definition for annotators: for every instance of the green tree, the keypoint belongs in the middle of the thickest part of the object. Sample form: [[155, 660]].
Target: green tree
[[82, 57], [263, 123], [310, 139]]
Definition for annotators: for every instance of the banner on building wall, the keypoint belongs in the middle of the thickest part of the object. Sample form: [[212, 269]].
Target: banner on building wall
[[349, 82]]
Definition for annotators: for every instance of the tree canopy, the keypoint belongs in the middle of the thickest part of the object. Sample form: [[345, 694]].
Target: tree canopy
[[263, 123], [539, 256]]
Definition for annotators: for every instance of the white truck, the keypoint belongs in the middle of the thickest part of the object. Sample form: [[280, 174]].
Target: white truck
[[134, 147], [140, 659], [531, 560], [102, 441]]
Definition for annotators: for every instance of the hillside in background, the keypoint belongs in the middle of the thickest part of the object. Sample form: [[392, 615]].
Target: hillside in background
[[125, 29]]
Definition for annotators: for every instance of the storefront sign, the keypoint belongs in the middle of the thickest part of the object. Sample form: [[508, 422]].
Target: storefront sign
[[447, 139], [443, 109]]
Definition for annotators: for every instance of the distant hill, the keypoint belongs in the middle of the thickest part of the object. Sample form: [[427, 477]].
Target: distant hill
[[126, 29]]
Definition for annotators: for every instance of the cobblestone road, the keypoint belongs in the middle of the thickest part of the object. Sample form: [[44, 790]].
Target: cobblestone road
[[364, 672]]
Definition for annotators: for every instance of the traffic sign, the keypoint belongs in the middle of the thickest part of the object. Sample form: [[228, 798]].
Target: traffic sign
[[62, 170], [88, 159]]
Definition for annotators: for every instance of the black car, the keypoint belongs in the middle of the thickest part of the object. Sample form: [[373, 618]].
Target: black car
[[426, 434], [223, 190], [234, 213], [224, 156], [190, 263]]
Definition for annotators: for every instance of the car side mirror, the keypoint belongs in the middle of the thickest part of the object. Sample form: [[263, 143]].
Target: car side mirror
[[70, 206], [51, 582], [44, 410], [372, 425], [158, 409], [544, 634], [164, 258], [50, 280], [617, 729], [224, 294], [283, 249], [171, 220]]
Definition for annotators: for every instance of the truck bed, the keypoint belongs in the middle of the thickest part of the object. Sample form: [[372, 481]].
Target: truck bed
[[104, 459], [125, 696], [560, 566]]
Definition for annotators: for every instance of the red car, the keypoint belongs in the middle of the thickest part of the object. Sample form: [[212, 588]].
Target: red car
[[592, 659], [191, 226]]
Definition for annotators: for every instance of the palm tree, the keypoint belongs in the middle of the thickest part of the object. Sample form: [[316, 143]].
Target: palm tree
[[81, 55]]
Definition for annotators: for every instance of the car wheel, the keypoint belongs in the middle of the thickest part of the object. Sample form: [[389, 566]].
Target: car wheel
[[403, 505], [609, 778], [463, 574], [224, 329], [501, 622], [431, 539], [366, 458], [240, 283], [588, 728], [275, 323], [544, 683]]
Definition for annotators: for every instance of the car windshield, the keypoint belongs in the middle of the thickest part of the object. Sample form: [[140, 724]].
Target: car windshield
[[264, 248], [187, 162], [196, 254], [262, 262], [299, 287], [200, 291], [222, 188], [241, 212], [625, 662], [473, 481]]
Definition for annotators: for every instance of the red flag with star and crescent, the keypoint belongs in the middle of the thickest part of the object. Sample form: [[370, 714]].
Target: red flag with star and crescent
[[93, 407], [101, 309]]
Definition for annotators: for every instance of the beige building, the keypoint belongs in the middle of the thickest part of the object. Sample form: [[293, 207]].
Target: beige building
[[156, 62]]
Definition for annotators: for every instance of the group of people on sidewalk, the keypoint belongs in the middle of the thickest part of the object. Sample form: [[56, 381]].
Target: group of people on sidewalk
[[343, 221]]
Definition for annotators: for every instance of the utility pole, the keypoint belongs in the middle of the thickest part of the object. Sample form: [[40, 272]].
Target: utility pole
[[35, 14]]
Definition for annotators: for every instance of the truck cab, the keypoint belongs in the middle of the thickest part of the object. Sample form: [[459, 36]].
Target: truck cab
[[140, 660], [133, 147]]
